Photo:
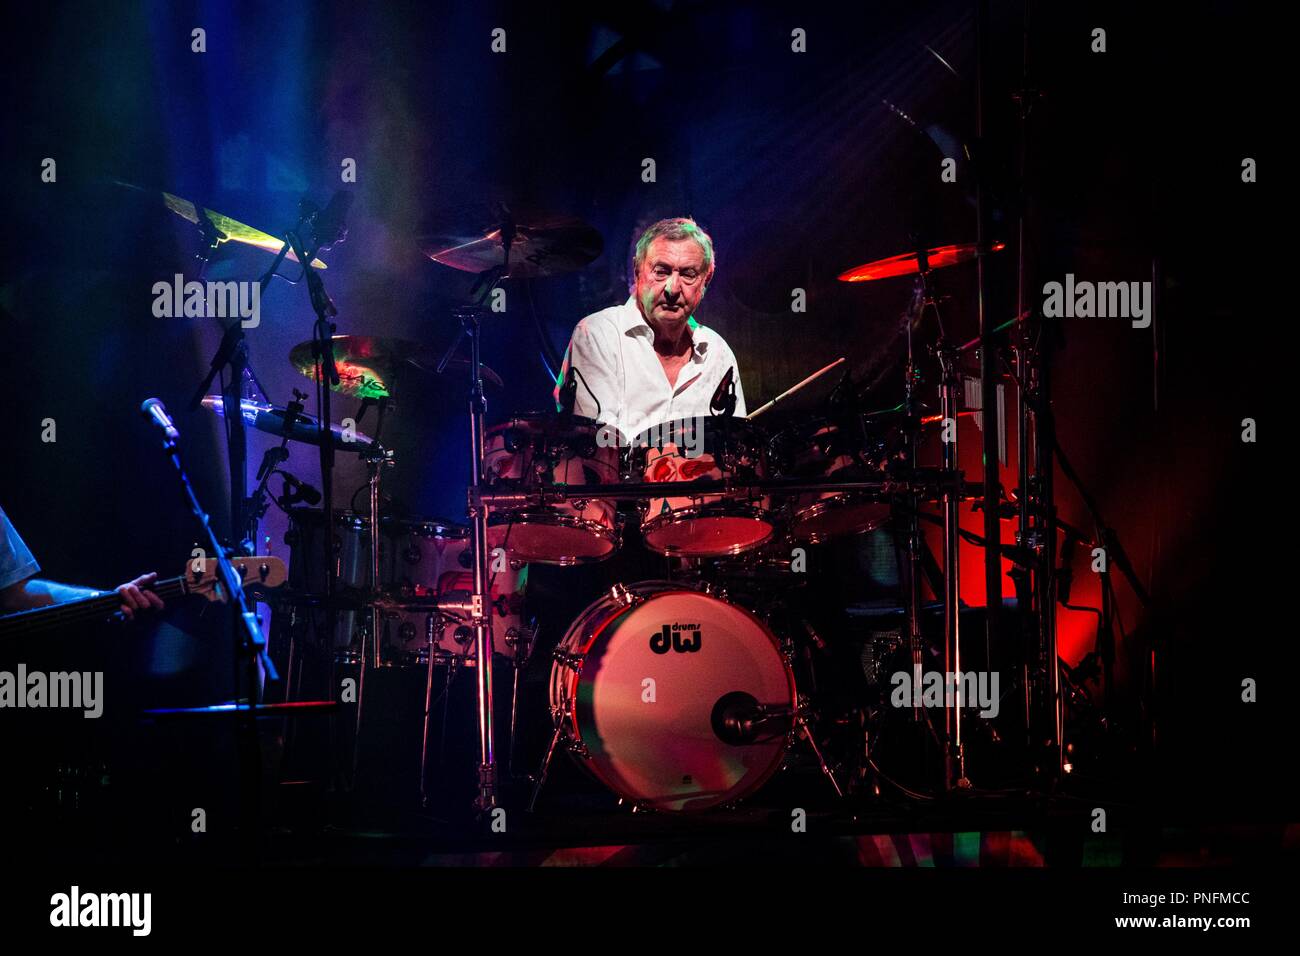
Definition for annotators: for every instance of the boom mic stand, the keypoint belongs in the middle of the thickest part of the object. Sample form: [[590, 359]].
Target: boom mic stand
[[249, 642]]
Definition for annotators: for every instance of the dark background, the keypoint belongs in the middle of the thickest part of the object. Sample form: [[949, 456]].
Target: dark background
[[794, 162]]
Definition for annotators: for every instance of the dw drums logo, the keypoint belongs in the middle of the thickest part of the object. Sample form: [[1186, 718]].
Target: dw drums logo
[[682, 638]]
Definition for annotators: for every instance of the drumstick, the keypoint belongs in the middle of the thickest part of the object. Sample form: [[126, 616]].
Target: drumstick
[[790, 391]]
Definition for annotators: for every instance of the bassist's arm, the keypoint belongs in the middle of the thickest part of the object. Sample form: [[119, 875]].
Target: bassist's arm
[[36, 592]]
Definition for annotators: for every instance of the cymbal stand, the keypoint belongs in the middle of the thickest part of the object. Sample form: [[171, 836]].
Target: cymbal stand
[[478, 513], [523, 642], [1036, 524], [434, 622], [913, 539], [923, 297], [377, 458], [954, 749], [326, 377]]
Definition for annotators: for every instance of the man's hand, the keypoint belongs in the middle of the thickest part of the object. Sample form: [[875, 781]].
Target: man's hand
[[136, 598]]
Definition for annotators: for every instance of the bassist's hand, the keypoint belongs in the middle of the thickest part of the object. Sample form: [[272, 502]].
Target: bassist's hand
[[137, 595]]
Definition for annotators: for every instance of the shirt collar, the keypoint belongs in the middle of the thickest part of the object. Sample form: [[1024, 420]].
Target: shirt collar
[[633, 322]]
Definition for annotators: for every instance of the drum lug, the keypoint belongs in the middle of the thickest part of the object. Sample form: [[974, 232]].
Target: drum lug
[[579, 749], [567, 659], [621, 594]]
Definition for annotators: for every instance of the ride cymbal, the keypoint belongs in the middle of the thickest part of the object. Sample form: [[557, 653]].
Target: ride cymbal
[[906, 264], [544, 244]]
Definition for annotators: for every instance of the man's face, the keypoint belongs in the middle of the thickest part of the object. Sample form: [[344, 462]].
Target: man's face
[[671, 282]]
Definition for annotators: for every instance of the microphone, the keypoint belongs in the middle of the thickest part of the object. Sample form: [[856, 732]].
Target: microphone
[[301, 490], [156, 412], [738, 718], [272, 458], [814, 636], [569, 391], [724, 397]]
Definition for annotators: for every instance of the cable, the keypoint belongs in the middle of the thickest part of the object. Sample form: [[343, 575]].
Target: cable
[[913, 794], [574, 369]]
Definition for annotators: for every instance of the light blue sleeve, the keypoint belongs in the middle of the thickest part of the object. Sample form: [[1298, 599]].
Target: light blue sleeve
[[16, 560]]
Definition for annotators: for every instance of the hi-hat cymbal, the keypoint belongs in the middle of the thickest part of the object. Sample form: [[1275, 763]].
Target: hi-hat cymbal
[[544, 244], [227, 229], [367, 364], [270, 419], [906, 264]]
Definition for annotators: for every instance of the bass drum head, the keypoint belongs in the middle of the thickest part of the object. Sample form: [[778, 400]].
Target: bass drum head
[[656, 682]]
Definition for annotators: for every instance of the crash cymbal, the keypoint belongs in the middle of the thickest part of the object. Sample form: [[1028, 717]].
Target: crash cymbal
[[544, 244], [906, 265], [367, 364], [270, 419], [936, 419], [896, 417], [227, 229]]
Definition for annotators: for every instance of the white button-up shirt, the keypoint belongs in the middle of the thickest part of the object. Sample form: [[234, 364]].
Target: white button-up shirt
[[621, 381]]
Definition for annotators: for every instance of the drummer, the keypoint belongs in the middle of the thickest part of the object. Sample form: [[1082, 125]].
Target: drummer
[[648, 361]]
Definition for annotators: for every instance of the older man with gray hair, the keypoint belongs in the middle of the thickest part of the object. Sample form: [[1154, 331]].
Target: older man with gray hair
[[648, 361]]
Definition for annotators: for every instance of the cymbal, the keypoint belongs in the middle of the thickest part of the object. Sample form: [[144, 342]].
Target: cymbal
[[544, 244], [896, 417], [367, 364], [906, 264], [228, 230], [936, 419], [270, 419]]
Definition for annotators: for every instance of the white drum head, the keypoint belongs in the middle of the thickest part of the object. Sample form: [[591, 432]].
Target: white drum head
[[648, 706]]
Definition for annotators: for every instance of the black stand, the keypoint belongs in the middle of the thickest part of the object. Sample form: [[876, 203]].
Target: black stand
[[988, 356], [250, 645]]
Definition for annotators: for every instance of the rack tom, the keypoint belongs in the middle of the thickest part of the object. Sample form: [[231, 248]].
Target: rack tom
[[540, 452], [703, 525], [822, 449]]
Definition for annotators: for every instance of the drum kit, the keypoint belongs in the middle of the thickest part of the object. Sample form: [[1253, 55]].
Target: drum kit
[[678, 694]]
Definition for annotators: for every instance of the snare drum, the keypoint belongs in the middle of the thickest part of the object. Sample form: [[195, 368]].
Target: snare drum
[[703, 526], [672, 698], [542, 450]]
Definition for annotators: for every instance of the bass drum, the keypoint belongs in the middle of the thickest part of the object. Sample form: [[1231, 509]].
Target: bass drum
[[674, 699]]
